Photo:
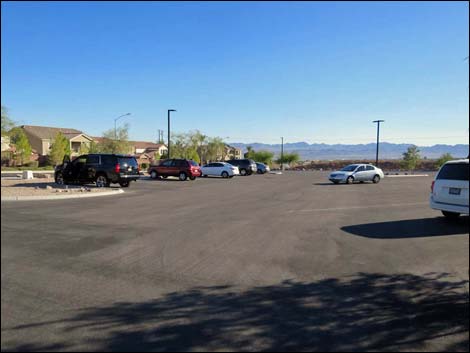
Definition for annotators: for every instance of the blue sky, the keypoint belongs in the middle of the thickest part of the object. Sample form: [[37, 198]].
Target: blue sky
[[315, 72]]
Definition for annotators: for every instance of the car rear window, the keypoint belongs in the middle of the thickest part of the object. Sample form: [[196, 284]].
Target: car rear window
[[128, 162], [454, 172], [194, 164]]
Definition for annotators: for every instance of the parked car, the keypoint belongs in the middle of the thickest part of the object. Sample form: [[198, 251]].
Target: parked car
[[245, 166], [225, 170], [262, 168], [181, 168], [449, 190], [102, 169], [357, 172]]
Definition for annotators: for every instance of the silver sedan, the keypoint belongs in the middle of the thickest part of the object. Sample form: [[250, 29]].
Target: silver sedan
[[357, 173]]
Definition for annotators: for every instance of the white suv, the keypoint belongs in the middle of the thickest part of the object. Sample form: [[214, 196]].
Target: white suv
[[449, 191]]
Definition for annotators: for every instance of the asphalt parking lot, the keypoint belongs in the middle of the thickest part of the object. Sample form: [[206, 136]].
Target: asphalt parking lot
[[274, 262]]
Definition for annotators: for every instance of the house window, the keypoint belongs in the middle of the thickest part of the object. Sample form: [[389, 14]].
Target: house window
[[76, 147]]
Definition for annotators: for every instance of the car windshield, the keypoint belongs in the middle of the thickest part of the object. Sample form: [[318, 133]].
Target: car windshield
[[349, 168], [194, 164]]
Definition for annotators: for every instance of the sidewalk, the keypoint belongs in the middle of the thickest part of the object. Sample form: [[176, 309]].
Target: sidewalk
[[46, 189]]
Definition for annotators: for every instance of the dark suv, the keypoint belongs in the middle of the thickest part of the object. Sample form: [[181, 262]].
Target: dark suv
[[245, 166], [102, 169], [181, 168]]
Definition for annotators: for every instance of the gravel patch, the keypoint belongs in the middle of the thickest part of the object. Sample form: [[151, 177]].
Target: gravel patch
[[45, 187]]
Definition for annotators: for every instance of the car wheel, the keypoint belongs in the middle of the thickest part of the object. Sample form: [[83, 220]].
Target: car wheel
[[349, 180], [451, 215], [243, 172], [124, 184], [376, 179], [224, 174], [192, 177], [336, 182], [59, 179], [183, 176], [101, 181], [165, 176], [154, 174], [204, 176]]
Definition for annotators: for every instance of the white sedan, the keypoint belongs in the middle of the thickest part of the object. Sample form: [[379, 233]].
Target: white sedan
[[222, 169], [357, 172]]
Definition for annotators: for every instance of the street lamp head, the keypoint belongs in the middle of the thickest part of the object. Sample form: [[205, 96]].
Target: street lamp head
[[172, 110], [378, 121]]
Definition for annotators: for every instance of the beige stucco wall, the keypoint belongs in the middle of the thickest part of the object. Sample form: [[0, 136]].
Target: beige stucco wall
[[162, 150]]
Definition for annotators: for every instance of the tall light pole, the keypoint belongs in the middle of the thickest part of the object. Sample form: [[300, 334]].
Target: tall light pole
[[377, 150], [169, 111], [282, 153], [115, 120]]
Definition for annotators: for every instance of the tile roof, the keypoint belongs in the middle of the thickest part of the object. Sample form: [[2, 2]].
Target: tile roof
[[46, 132]]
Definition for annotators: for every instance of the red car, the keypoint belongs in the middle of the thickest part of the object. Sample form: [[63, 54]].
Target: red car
[[181, 168]]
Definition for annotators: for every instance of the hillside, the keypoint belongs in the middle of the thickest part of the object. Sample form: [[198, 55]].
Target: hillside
[[388, 150]]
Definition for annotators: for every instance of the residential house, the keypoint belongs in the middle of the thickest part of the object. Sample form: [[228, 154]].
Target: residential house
[[7, 151], [232, 152], [149, 147], [145, 151], [41, 139], [5, 143], [226, 154]]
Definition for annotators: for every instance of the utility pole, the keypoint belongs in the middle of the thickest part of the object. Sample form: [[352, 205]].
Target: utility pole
[[378, 133], [160, 136], [169, 111], [282, 153]]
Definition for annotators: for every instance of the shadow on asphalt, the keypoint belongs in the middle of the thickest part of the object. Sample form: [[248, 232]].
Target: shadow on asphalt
[[412, 228], [361, 313], [343, 184]]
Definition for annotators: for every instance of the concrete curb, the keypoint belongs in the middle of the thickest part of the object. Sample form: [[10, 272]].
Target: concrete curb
[[62, 197]]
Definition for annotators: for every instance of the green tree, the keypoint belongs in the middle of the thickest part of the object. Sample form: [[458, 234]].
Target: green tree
[[7, 123], [288, 158], [84, 148], [249, 152], [411, 158], [215, 149], [94, 147], [118, 143], [192, 154], [265, 157], [60, 148], [21, 142], [446, 157]]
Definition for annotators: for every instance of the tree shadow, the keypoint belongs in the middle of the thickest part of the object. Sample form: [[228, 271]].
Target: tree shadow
[[343, 184], [411, 228], [360, 313]]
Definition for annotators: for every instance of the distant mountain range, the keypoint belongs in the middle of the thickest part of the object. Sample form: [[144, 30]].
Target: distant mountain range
[[321, 151]]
